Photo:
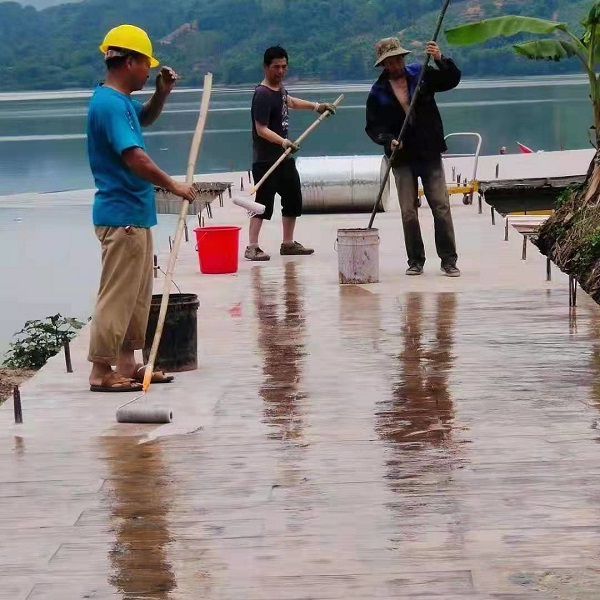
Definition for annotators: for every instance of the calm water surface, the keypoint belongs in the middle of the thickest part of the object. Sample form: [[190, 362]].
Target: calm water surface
[[50, 255]]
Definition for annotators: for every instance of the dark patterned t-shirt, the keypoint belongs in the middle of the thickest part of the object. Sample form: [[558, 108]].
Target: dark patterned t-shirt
[[269, 107]]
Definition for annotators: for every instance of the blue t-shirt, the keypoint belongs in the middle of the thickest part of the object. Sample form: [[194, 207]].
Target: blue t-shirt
[[122, 197]]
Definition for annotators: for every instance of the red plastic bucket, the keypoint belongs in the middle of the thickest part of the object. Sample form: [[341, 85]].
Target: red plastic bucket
[[218, 248]]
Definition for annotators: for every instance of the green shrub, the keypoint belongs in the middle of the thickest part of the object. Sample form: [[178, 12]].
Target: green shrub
[[40, 340]]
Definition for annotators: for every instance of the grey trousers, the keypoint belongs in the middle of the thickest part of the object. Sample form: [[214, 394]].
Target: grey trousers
[[432, 175]]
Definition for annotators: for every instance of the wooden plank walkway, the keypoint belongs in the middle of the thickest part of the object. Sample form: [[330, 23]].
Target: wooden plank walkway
[[423, 437]]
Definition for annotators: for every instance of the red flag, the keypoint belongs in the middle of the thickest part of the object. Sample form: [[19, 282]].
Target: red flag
[[524, 149]]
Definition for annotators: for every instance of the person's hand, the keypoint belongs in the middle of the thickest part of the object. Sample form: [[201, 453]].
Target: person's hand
[[165, 80], [433, 50], [321, 108], [289, 144], [394, 144], [183, 190]]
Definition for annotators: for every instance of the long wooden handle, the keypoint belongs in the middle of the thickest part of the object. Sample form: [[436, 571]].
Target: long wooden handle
[[189, 179], [321, 118]]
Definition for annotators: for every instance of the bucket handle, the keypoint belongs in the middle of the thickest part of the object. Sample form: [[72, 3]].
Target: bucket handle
[[172, 280], [335, 244], [198, 239]]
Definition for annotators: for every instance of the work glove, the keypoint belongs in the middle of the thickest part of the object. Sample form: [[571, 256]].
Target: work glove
[[289, 144], [321, 108]]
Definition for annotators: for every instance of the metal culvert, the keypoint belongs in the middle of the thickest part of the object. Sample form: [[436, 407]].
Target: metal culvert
[[342, 184]]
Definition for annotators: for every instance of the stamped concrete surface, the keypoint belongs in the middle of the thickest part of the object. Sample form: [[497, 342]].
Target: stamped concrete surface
[[423, 437]]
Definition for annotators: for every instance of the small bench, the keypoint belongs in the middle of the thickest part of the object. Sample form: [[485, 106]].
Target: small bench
[[527, 226]]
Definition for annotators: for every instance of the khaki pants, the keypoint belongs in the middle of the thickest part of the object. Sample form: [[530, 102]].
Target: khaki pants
[[432, 175], [123, 303]]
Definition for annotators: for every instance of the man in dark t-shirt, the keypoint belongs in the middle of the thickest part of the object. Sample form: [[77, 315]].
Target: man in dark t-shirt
[[270, 128]]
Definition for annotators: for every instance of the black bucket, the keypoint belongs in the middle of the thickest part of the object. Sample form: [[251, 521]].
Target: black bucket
[[178, 348]]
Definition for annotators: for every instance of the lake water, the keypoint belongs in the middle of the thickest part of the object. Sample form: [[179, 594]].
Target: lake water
[[50, 255]]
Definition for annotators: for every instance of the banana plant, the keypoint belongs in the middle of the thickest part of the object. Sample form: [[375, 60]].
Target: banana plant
[[562, 45]]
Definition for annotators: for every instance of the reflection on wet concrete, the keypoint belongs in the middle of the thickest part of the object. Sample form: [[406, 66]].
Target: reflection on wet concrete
[[360, 317], [421, 411], [281, 320], [19, 446], [416, 422], [595, 359], [139, 496], [281, 324]]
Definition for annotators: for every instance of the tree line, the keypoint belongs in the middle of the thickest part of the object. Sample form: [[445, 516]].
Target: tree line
[[328, 40]]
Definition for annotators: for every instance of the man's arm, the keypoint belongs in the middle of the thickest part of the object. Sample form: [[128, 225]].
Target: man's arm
[[446, 76], [261, 108], [114, 122], [376, 128], [299, 104], [268, 134], [165, 81], [143, 166]]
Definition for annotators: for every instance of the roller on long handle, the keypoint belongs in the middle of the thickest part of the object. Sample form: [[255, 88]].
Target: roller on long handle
[[407, 117], [314, 125], [253, 208], [126, 413]]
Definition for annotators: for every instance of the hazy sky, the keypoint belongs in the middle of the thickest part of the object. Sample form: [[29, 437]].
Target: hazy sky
[[43, 3]]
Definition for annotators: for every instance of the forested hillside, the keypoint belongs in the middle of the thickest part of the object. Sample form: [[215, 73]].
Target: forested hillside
[[327, 39]]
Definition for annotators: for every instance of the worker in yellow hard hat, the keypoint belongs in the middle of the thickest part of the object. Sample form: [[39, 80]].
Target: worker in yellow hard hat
[[124, 206]]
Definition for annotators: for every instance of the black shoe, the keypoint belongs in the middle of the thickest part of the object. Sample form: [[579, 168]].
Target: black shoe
[[415, 270], [450, 270]]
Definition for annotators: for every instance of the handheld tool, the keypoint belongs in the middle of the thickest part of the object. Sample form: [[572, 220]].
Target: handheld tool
[[128, 412]]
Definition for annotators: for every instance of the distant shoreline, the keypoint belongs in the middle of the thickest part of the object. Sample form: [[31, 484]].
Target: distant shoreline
[[362, 85]]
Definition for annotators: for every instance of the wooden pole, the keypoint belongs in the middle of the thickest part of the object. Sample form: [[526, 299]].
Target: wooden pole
[[189, 179]]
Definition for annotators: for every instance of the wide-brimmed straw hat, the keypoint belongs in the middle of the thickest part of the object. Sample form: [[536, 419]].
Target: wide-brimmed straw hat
[[388, 47]]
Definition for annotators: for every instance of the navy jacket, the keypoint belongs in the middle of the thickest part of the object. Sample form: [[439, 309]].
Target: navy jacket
[[424, 136]]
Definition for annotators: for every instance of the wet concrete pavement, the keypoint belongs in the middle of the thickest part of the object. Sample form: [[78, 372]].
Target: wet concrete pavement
[[422, 437]]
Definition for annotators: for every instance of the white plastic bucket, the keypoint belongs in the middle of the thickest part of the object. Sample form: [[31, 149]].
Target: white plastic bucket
[[358, 255]]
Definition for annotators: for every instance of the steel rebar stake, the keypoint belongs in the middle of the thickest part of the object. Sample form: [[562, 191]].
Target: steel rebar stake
[[17, 405], [68, 362]]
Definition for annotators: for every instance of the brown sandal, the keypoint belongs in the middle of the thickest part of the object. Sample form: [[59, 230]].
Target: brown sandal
[[115, 382], [158, 376]]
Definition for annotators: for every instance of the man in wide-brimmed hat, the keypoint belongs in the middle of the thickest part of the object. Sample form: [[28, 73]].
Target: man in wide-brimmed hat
[[420, 151]]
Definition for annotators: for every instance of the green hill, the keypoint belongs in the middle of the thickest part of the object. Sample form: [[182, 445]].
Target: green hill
[[327, 39]]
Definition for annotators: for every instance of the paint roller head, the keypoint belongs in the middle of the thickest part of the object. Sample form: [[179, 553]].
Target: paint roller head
[[131, 414], [249, 205]]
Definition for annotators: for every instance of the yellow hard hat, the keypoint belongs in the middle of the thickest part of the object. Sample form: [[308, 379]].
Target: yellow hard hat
[[129, 37]]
